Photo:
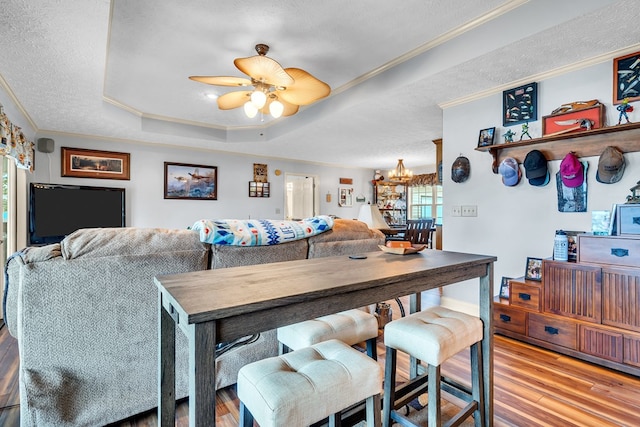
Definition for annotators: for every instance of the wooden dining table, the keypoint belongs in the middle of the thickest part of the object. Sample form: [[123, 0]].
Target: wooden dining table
[[220, 305]]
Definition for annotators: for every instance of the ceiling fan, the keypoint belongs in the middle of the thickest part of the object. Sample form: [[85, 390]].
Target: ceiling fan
[[277, 91]]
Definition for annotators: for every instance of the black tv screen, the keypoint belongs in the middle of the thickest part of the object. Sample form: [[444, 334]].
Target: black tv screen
[[56, 210]]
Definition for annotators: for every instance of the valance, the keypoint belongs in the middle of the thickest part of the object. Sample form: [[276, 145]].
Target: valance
[[14, 144], [424, 179]]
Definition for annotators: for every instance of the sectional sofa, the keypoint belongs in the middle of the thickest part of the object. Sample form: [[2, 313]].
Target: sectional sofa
[[85, 312]]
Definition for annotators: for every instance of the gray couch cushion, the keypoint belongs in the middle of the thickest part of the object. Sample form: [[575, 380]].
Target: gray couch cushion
[[99, 242], [223, 256]]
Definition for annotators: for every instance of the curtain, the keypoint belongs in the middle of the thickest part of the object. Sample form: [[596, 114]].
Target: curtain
[[14, 144], [424, 179]]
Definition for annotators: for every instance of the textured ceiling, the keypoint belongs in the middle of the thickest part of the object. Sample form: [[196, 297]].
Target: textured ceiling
[[118, 69]]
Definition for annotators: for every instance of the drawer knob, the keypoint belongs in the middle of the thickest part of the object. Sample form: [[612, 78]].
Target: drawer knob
[[619, 252], [525, 297], [551, 330], [505, 318]]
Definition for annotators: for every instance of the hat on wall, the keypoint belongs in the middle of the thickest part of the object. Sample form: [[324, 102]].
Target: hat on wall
[[510, 171], [460, 169], [535, 167], [571, 171], [610, 166]]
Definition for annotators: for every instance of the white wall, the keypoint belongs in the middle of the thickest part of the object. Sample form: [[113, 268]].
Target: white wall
[[514, 223], [146, 206]]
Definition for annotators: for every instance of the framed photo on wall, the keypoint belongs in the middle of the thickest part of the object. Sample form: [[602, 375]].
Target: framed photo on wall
[[187, 181], [486, 137], [533, 270], [626, 78], [83, 163], [520, 105]]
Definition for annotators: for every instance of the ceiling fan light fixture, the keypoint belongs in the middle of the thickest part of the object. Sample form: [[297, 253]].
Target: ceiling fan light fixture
[[258, 98], [291, 87], [276, 108], [250, 109]]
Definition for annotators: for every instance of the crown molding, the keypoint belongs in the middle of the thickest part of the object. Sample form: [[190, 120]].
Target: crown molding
[[542, 76]]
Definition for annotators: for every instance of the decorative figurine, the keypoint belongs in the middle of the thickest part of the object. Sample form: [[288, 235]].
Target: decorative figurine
[[635, 194], [508, 136], [378, 176], [624, 108], [525, 130]]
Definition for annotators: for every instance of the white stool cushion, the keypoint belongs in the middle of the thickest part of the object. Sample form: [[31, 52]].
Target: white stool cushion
[[433, 335], [307, 385], [351, 327]]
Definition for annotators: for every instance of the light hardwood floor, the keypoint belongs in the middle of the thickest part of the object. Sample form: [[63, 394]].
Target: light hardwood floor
[[533, 387]]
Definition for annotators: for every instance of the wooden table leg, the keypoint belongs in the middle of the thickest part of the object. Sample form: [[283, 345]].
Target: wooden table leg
[[486, 314], [202, 377], [166, 367]]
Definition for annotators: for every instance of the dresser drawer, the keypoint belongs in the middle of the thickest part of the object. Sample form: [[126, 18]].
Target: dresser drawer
[[632, 349], [508, 318], [525, 295], [605, 343], [556, 331], [613, 250]]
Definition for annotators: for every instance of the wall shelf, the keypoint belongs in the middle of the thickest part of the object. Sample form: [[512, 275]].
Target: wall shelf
[[585, 144]]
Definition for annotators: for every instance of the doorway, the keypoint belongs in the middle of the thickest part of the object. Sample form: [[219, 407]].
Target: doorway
[[300, 198]]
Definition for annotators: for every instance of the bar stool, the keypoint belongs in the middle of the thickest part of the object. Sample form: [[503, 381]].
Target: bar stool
[[308, 385], [351, 327], [433, 336]]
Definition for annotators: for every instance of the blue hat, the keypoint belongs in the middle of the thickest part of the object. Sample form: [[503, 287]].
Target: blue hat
[[510, 171]]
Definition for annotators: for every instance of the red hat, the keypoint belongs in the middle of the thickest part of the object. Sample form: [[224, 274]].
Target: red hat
[[571, 171]]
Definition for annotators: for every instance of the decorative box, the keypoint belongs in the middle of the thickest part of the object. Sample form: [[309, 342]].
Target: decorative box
[[559, 124]]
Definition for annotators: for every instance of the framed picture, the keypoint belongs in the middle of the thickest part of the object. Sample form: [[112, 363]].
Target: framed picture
[[83, 163], [572, 240], [504, 287], [258, 189], [345, 197], [533, 270], [260, 172], [187, 181], [520, 105], [486, 137], [626, 78], [628, 218]]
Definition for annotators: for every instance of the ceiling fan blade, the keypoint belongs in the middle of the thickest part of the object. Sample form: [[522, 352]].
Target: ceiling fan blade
[[305, 90], [232, 100], [222, 80], [264, 69], [289, 109]]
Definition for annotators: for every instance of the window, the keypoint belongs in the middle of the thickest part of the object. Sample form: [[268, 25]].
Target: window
[[426, 202]]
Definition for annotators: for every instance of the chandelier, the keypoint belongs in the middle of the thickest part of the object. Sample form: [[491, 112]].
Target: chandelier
[[400, 173]]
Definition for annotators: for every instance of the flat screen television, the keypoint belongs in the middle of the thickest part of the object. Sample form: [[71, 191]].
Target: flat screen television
[[56, 210]]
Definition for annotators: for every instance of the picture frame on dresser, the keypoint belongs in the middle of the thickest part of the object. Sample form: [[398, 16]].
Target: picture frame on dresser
[[504, 287], [533, 269], [628, 218]]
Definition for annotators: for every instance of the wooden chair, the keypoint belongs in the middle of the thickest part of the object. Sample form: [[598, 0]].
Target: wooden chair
[[419, 231]]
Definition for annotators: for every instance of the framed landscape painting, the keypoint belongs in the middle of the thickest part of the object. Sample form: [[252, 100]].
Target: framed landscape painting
[[187, 181], [83, 163]]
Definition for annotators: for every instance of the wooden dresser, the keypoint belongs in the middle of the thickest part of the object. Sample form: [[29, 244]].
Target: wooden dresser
[[589, 309]]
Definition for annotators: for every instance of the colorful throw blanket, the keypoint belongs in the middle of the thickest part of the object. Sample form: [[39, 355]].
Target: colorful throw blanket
[[259, 232]]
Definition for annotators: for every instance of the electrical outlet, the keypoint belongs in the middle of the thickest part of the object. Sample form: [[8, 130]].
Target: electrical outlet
[[470, 210], [456, 211]]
